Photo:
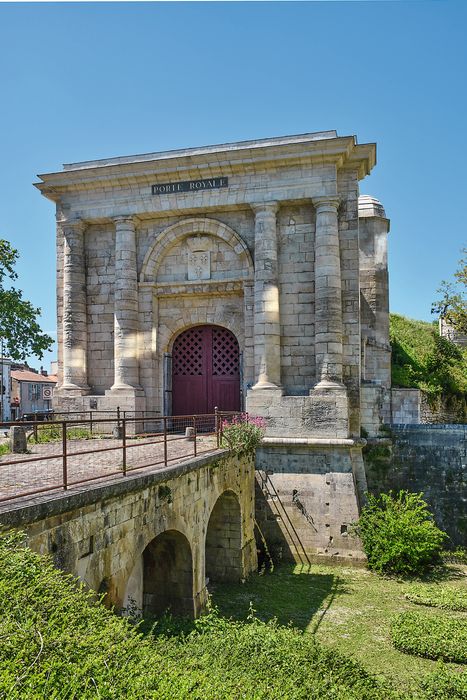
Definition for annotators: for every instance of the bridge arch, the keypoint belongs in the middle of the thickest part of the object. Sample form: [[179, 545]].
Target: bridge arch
[[223, 543], [168, 575], [161, 578]]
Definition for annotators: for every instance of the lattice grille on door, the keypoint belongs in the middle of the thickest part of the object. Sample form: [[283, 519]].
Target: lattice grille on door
[[225, 358], [187, 355]]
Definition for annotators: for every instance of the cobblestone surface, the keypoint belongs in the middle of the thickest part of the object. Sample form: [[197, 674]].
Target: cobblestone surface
[[89, 461]]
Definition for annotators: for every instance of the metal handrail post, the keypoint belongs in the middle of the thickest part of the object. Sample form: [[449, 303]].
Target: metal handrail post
[[194, 435], [165, 441], [124, 446], [64, 457], [216, 424]]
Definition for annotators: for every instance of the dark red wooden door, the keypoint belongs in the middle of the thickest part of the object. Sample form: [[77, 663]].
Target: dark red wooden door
[[205, 371]]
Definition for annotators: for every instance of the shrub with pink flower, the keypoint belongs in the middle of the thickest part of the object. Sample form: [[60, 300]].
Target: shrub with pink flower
[[243, 433]]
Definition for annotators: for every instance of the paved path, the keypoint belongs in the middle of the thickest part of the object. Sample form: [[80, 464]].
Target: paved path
[[44, 468]]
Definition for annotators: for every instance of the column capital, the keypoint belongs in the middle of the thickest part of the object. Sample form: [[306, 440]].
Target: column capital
[[125, 219], [326, 202], [265, 207], [77, 225]]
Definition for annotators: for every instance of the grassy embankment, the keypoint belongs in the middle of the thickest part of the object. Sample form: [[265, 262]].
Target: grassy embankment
[[423, 360], [57, 643]]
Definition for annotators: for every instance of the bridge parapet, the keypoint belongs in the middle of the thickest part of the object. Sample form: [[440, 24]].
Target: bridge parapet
[[151, 540]]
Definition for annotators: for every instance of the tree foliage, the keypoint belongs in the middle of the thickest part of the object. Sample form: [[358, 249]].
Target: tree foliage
[[19, 329], [452, 303]]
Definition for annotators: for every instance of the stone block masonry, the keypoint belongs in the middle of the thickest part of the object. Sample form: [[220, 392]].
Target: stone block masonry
[[285, 255], [151, 541], [425, 458]]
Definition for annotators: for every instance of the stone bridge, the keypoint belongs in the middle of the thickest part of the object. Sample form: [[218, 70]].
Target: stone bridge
[[155, 540]]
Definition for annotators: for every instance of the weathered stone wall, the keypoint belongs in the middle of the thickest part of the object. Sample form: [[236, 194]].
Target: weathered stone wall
[[296, 231], [405, 406], [412, 406], [100, 278], [442, 409], [306, 498], [427, 458], [102, 534]]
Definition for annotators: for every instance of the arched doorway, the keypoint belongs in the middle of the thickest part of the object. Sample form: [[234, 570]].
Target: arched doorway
[[205, 371], [168, 575], [224, 540]]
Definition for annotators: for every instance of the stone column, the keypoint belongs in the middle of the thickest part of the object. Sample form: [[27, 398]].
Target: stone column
[[328, 294], [266, 299], [74, 308], [126, 306]]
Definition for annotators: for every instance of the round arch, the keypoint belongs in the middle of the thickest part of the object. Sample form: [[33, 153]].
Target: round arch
[[162, 577], [206, 371], [196, 225], [223, 543]]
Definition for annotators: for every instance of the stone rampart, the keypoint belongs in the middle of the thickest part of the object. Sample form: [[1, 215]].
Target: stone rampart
[[429, 459]]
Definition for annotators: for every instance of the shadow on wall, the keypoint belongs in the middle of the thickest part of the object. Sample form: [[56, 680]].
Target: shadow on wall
[[274, 520]]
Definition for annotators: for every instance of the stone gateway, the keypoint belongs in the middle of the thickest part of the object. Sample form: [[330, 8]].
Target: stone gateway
[[245, 275]]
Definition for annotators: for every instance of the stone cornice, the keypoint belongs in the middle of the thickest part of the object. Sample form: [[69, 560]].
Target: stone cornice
[[226, 160]]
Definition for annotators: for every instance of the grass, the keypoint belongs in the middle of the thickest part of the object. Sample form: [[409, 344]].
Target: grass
[[349, 610], [445, 597], [53, 433], [56, 642], [423, 360]]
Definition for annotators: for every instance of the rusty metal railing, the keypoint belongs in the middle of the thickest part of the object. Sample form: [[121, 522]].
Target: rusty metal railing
[[68, 453]]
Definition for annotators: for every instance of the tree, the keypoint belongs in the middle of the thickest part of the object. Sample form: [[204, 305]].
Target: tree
[[20, 333], [452, 305]]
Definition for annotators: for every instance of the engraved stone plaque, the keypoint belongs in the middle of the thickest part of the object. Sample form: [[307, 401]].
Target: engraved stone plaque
[[199, 265]]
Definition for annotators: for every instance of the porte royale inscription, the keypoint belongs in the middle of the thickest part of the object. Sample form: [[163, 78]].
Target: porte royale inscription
[[212, 183]]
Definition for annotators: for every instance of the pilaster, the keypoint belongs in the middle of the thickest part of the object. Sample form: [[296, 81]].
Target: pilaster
[[328, 295], [126, 378], [266, 299], [74, 324]]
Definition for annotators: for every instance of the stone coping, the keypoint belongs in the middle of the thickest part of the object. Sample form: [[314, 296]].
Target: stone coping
[[429, 426], [229, 146], [315, 442], [32, 508]]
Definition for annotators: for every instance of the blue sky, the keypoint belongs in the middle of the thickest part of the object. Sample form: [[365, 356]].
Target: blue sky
[[89, 80]]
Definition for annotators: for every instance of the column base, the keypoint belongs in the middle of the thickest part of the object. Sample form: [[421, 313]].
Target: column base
[[268, 386], [326, 384], [73, 388], [125, 389]]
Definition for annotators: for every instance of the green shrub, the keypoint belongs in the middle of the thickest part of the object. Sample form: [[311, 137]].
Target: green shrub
[[57, 643], [438, 596], [445, 685], [398, 533], [4, 448], [433, 636]]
